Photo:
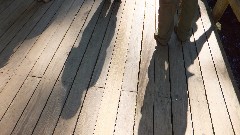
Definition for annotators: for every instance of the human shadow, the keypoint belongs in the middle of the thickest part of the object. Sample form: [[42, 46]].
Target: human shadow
[[85, 62], [20, 32], [165, 109]]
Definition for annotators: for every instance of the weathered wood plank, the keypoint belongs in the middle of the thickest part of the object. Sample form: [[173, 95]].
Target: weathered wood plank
[[12, 87], [60, 92], [61, 45], [87, 125], [105, 123], [182, 123], [73, 104], [19, 24], [144, 111], [127, 103], [12, 114], [126, 113], [9, 17], [130, 79], [20, 77], [162, 99], [89, 111], [31, 32], [197, 96], [220, 119], [224, 74]]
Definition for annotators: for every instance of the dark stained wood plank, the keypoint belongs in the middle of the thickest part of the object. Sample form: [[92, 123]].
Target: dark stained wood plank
[[105, 123], [198, 101], [12, 86], [145, 98], [226, 80], [220, 119], [73, 104]]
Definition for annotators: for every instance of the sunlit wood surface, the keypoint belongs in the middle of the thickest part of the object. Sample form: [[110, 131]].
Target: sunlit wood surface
[[91, 67]]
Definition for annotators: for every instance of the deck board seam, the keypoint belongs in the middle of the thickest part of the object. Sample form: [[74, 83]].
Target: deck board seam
[[216, 72]]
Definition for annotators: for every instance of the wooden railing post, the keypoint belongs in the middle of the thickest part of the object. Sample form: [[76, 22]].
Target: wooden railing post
[[219, 9]]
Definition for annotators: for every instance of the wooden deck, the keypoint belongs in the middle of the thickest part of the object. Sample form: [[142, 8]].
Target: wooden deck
[[90, 67]]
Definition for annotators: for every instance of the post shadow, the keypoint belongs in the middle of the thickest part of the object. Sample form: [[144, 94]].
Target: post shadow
[[165, 104], [81, 74]]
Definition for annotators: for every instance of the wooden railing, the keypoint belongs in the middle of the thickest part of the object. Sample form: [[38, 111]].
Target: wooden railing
[[221, 6]]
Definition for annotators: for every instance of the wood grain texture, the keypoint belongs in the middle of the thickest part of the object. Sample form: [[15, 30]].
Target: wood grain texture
[[197, 96], [108, 109], [145, 95], [28, 51], [12, 87], [226, 80], [68, 119], [213, 88], [10, 16]]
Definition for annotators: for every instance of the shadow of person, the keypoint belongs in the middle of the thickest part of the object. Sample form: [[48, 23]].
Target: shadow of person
[[81, 63], [165, 109], [23, 29]]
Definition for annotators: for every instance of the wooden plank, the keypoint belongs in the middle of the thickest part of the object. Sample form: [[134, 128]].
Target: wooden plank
[[126, 113], [12, 87], [89, 111], [73, 104], [64, 40], [127, 104], [105, 123], [20, 77], [8, 121], [182, 123], [222, 67], [211, 82], [197, 96], [130, 79], [19, 24], [56, 100], [162, 99], [9, 19], [31, 30], [86, 125], [219, 8], [144, 110]]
